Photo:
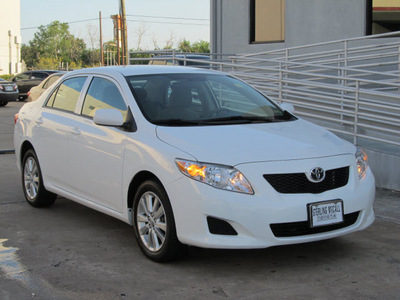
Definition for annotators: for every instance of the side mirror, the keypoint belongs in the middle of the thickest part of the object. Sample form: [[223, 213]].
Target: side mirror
[[108, 117], [288, 107]]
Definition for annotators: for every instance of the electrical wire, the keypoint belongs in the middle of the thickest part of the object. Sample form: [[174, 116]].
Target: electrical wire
[[142, 21], [174, 23]]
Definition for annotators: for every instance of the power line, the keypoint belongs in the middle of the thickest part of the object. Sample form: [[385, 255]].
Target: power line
[[173, 18], [174, 23], [138, 16], [72, 22]]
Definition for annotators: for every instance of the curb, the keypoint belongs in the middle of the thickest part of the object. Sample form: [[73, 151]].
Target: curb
[[7, 151]]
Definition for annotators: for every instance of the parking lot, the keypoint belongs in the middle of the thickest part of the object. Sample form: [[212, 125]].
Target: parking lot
[[69, 251]]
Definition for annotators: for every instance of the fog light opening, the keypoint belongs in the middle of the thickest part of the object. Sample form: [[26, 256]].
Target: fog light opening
[[221, 227]]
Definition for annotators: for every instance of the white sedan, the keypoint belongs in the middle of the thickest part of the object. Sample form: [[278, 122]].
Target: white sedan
[[190, 157]]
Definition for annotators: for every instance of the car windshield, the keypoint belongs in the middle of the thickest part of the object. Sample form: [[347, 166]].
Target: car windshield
[[201, 99]]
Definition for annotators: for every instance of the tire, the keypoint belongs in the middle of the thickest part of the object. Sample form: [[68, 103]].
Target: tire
[[3, 103], [32, 182], [154, 224]]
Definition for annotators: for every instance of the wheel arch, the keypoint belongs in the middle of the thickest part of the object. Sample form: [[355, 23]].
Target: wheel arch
[[137, 181], [26, 145]]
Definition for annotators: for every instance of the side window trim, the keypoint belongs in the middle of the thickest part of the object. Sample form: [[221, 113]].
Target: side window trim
[[82, 96]]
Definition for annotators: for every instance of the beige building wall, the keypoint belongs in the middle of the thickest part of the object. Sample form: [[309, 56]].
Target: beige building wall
[[10, 36]]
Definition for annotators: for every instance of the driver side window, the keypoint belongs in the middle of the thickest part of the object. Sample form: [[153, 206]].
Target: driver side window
[[103, 93]]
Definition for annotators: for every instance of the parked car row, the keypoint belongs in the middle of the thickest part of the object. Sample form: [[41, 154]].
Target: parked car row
[[30, 84]]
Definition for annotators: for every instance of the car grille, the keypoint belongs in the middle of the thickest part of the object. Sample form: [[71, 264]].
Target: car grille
[[303, 228], [298, 183]]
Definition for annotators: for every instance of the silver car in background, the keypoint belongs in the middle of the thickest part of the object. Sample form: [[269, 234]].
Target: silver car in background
[[38, 90]]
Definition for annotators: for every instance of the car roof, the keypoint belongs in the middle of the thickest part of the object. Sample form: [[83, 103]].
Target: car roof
[[58, 73], [143, 70], [38, 71]]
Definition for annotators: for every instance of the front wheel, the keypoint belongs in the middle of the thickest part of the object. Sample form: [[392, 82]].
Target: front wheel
[[3, 103], [32, 182], [154, 224]]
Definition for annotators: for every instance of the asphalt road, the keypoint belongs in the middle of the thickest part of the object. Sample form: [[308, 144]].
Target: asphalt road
[[69, 251]]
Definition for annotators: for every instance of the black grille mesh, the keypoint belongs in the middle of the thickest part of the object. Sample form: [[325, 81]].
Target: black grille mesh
[[298, 183]]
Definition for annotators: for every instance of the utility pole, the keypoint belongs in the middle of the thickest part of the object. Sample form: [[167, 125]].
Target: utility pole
[[101, 40], [125, 50], [117, 36]]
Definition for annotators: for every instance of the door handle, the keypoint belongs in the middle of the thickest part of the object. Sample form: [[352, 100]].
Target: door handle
[[75, 131]]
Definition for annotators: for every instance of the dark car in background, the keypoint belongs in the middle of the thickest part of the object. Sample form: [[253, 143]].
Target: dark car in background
[[38, 90], [8, 92], [29, 79]]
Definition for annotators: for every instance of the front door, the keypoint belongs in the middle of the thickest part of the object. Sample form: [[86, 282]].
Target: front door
[[97, 152]]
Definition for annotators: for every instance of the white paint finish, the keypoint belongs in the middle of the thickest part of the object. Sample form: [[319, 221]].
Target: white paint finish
[[237, 144], [94, 165]]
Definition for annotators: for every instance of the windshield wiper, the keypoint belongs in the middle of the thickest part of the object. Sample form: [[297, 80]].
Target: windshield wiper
[[239, 119], [177, 122]]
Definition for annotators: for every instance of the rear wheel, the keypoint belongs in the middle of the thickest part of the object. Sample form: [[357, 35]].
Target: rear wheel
[[154, 224], [3, 103], [32, 182]]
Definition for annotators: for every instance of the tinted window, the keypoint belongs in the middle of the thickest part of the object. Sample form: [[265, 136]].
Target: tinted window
[[102, 93], [22, 76], [39, 75], [67, 94]]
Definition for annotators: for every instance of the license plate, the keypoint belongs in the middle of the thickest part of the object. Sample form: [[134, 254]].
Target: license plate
[[9, 88], [325, 213]]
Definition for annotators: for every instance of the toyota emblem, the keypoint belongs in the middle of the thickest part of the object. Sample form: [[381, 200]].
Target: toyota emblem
[[316, 175]]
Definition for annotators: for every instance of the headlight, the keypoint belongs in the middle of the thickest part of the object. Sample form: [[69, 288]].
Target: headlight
[[362, 163], [220, 177]]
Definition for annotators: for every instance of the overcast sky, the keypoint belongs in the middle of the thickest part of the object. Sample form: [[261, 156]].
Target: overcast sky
[[160, 20]]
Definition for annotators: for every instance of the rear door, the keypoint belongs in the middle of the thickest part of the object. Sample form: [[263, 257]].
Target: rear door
[[52, 131]]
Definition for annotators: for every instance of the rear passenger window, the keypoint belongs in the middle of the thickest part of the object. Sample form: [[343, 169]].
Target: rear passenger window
[[103, 93], [22, 76], [67, 94], [38, 75]]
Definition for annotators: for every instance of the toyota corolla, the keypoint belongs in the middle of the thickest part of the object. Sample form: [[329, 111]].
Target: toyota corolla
[[190, 157]]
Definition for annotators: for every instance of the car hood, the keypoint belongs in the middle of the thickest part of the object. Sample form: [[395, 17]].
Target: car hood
[[238, 144]]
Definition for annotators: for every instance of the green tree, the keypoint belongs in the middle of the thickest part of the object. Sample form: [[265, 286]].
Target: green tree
[[184, 46], [198, 47], [201, 47], [53, 41]]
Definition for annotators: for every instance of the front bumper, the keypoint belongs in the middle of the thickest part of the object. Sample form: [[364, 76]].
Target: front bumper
[[251, 216]]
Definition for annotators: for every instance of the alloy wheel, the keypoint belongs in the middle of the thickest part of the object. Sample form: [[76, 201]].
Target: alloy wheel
[[151, 221], [31, 178]]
